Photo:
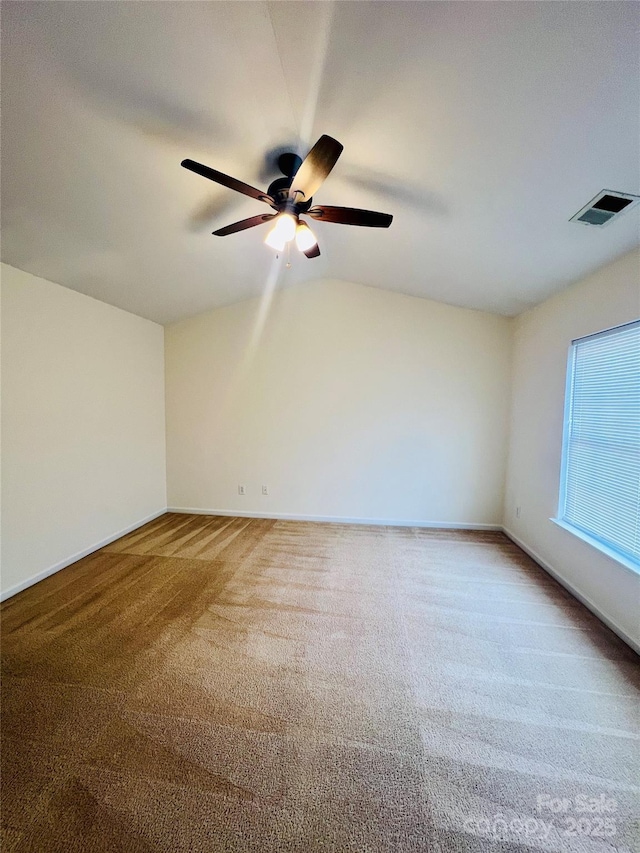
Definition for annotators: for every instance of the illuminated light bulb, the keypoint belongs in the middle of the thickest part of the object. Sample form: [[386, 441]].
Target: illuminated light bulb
[[305, 238], [283, 231]]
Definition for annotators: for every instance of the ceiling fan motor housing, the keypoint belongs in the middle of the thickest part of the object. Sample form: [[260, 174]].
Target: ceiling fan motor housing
[[279, 192]]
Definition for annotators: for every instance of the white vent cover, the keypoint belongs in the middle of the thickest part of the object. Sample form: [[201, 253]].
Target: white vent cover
[[606, 206]]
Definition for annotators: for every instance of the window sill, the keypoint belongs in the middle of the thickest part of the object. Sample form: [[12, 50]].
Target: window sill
[[599, 546]]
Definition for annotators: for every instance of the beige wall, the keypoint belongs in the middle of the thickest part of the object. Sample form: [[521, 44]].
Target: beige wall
[[355, 403], [83, 450], [541, 343]]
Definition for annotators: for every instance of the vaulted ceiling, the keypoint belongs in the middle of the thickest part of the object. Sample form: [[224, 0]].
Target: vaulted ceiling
[[482, 127]]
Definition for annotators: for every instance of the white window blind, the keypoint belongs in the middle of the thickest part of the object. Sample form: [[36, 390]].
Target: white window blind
[[600, 483]]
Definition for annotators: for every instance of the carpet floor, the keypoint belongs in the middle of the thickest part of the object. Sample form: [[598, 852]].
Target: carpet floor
[[226, 684]]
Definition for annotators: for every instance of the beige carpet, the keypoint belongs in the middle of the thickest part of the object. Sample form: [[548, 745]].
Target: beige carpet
[[219, 684]]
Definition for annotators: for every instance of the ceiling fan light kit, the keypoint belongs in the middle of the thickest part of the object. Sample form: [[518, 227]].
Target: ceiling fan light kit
[[282, 232], [305, 238], [292, 196]]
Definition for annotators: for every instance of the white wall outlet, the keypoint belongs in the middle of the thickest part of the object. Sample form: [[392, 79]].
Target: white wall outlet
[[518, 510], [242, 490], [265, 490]]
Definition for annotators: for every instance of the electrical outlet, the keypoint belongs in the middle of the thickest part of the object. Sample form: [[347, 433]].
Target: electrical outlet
[[518, 510], [265, 490], [242, 490]]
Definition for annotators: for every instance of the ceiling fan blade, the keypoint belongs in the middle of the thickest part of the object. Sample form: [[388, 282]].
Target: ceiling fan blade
[[350, 216], [315, 168], [243, 224], [227, 181], [313, 252]]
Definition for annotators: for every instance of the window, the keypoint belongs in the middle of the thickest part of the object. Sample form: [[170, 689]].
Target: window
[[600, 478]]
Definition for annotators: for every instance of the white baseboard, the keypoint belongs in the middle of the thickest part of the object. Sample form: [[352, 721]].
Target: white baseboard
[[336, 519], [13, 590], [583, 599]]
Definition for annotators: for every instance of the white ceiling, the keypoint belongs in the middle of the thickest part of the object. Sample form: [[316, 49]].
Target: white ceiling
[[482, 127]]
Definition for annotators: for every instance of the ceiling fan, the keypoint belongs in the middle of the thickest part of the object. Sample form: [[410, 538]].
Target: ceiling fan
[[291, 196]]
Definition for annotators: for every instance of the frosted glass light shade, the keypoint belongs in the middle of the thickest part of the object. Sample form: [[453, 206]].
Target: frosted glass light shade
[[305, 238], [282, 232]]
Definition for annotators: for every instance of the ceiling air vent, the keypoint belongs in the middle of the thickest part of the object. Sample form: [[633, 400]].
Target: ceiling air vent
[[604, 207]]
